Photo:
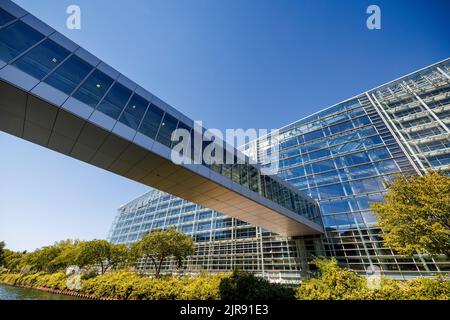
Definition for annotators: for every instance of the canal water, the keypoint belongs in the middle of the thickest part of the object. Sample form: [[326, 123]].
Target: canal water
[[13, 293]]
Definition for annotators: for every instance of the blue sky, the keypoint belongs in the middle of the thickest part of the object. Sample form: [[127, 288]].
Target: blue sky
[[231, 64]]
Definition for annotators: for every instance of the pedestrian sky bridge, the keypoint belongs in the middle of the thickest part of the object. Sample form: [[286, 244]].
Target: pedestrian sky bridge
[[56, 94]]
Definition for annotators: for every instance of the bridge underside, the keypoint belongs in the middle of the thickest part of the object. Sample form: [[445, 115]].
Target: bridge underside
[[33, 119]]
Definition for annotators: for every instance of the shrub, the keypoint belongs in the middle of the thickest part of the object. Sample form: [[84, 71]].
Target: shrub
[[202, 287], [117, 285], [334, 283], [246, 286]]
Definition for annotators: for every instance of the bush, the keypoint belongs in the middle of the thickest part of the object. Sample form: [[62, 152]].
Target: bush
[[246, 286], [335, 283], [116, 285]]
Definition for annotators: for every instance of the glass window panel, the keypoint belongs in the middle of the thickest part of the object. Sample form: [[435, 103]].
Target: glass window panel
[[323, 166], [16, 38], [362, 171], [168, 125], [343, 220], [355, 158], [69, 74], [5, 17], [341, 127], [336, 206], [151, 122], [319, 154], [94, 88], [367, 185], [134, 111], [388, 166], [361, 121], [42, 59], [114, 102], [331, 191], [313, 135], [204, 226], [378, 154]]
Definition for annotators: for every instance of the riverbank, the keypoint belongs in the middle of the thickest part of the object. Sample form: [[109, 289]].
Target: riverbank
[[20, 293], [128, 285], [74, 294]]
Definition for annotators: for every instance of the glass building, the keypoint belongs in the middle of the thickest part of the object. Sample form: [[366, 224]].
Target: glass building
[[333, 164], [342, 157]]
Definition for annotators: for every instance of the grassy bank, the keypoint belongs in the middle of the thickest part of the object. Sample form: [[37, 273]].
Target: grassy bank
[[127, 285], [331, 283]]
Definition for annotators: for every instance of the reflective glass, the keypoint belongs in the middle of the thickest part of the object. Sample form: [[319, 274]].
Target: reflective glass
[[69, 74], [378, 154], [134, 111], [151, 122], [114, 102], [367, 185], [355, 158], [323, 166], [5, 17], [42, 59], [94, 88], [313, 135], [331, 191], [341, 127], [16, 38], [168, 125]]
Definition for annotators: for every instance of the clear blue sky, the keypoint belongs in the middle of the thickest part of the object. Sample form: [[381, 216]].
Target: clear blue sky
[[232, 64]]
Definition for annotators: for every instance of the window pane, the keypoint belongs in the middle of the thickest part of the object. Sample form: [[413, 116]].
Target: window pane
[[151, 121], [168, 125], [115, 101], [16, 38], [69, 75], [93, 88], [5, 17], [134, 111], [42, 59]]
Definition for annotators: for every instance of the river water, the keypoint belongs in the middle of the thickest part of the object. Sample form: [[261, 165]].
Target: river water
[[13, 293]]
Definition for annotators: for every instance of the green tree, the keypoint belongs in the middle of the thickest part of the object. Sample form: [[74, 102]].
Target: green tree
[[68, 256], [415, 218], [103, 254], [13, 261], [334, 283], [2, 253], [159, 245], [51, 258]]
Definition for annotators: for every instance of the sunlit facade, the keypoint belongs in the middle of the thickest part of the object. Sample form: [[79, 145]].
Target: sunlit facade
[[222, 243], [342, 157]]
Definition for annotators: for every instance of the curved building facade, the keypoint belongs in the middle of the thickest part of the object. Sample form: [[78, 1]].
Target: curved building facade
[[342, 157]]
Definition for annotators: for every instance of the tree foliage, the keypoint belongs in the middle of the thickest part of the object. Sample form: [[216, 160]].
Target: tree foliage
[[415, 218], [2, 253], [102, 253], [334, 283], [159, 245]]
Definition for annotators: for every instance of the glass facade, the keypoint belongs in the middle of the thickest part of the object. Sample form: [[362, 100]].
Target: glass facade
[[342, 157], [222, 243]]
